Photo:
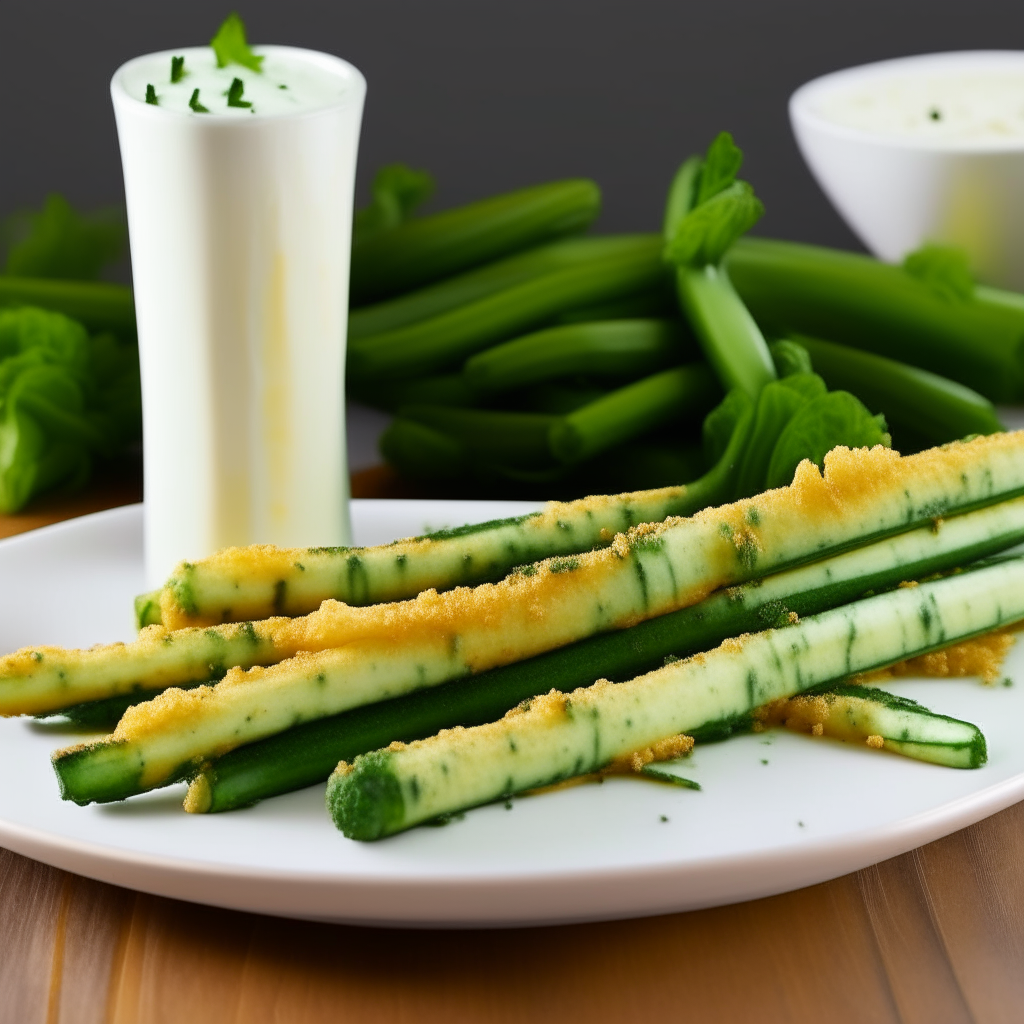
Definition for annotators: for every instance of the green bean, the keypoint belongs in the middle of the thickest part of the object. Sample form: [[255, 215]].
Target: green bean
[[559, 398], [921, 403], [97, 305], [644, 463], [445, 341], [875, 307], [518, 440], [453, 292], [612, 348], [657, 302], [631, 411], [449, 389], [419, 452], [426, 249]]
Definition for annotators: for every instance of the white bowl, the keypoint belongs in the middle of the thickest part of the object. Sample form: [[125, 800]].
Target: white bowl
[[901, 177]]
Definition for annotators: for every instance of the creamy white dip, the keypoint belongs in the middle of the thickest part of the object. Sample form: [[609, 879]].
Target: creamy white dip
[[286, 83], [240, 224], [966, 100]]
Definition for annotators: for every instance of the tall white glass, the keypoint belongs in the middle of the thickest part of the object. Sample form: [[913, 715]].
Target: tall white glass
[[240, 227]]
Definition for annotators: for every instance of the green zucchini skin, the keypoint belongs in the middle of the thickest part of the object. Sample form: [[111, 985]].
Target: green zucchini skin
[[307, 754], [106, 713], [897, 724], [560, 736]]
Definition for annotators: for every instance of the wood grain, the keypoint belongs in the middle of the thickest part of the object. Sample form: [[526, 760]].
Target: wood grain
[[935, 936]]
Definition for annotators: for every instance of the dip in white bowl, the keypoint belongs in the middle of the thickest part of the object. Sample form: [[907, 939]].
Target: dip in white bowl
[[924, 149]]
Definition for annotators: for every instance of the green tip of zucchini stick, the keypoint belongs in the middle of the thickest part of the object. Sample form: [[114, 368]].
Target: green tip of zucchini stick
[[882, 721], [560, 736], [367, 797], [98, 770]]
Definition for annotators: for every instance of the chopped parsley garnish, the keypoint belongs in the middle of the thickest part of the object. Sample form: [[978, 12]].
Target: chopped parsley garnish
[[196, 105], [235, 91], [231, 48], [151, 96], [935, 114], [177, 69]]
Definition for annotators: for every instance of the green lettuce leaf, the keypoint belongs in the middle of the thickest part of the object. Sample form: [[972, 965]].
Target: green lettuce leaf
[[790, 357], [777, 404], [818, 426], [58, 242], [22, 444], [65, 398], [721, 422], [721, 165], [705, 234]]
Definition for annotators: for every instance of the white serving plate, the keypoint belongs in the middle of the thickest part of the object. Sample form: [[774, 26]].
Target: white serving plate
[[776, 812]]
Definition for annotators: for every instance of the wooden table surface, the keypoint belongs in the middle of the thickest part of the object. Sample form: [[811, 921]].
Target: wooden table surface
[[935, 936]]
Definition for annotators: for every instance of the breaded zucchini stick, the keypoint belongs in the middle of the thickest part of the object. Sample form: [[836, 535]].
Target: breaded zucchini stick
[[863, 714], [652, 569], [560, 736], [259, 581]]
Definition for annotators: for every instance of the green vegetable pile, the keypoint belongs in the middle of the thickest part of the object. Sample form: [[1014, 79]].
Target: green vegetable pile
[[69, 370], [528, 358], [521, 356]]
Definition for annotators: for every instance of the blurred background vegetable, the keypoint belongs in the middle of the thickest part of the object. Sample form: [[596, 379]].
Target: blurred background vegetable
[[520, 357], [69, 373]]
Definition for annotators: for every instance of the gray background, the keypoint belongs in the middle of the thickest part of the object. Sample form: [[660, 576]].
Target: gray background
[[493, 95]]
